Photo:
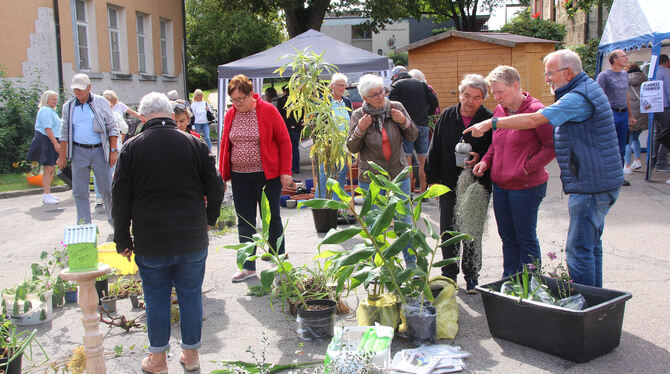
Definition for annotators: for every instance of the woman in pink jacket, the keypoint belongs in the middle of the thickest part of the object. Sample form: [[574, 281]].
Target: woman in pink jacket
[[517, 159]]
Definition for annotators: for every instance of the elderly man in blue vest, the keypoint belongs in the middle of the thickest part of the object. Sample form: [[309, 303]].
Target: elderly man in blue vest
[[587, 151], [88, 139]]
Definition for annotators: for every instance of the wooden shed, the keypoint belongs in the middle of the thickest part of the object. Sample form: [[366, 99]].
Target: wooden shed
[[445, 58]]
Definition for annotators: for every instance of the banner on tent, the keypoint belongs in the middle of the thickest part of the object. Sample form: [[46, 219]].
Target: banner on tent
[[651, 97]]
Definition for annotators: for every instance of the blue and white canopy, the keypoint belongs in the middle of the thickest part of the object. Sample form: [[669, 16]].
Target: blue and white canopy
[[634, 24]]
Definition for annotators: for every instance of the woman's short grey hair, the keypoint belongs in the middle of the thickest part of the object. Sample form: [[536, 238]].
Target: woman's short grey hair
[[566, 59], [155, 104], [504, 74], [45, 97], [110, 96], [369, 82], [474, 81], [417, 74], [339, 77]]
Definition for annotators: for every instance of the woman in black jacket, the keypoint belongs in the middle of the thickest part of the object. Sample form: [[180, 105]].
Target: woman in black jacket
[[441, 167]]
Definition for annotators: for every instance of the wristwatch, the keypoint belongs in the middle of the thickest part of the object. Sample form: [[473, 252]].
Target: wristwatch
[[113, 149], [494, 122]]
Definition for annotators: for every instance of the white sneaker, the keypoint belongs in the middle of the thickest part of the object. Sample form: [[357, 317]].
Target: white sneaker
[[627, 171], [636, 164], [48, 198], [99, 202], [667, 182]]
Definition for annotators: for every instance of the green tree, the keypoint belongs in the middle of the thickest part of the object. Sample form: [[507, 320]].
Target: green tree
[[523, 24], [588, 53], [18, 109], [215, 35]]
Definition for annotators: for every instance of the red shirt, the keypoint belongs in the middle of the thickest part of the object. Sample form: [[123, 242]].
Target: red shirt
[[275, 144]]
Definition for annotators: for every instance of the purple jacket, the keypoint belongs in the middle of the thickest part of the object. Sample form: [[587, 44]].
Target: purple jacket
[[517, 158]]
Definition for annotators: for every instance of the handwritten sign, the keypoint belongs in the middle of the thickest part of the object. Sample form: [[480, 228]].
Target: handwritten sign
[[651, 97]]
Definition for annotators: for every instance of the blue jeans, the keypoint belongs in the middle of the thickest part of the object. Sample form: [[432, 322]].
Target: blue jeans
[[159, 273], [410, 260], [584, 247], [203, 129], [341, 179], [516, 215], [420, 144], [621, 124], [634, 146]]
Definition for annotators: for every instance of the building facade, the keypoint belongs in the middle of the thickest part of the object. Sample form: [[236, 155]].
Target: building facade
[[130, 46], [580, 27]]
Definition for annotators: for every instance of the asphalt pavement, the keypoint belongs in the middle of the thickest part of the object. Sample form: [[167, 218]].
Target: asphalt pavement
[[635, 243]]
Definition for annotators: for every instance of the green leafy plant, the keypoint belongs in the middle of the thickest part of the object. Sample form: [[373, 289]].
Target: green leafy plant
[[385, 235], [524, 24], [28, 168], [311, 98], [13, 343], [589, 54]]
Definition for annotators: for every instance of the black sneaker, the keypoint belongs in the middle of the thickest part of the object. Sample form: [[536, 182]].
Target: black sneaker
[[626, 183], [470, 286]]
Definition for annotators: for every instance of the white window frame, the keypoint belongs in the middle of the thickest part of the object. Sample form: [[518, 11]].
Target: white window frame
[[140, 21], [166, 46], [114, 32], [85, 48]]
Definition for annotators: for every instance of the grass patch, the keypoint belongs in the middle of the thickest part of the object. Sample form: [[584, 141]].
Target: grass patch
[[227, 221], [17, 182]]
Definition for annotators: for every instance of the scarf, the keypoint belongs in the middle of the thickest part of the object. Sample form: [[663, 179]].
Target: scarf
[[378, 114]]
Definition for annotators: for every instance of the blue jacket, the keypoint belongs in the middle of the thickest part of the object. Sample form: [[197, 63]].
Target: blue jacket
[[588, 152]]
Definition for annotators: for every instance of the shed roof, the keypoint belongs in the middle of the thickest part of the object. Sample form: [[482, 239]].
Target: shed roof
[[501, 38]]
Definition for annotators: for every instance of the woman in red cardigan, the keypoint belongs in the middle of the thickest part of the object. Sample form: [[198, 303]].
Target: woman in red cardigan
[[255, 153], [517, 159]]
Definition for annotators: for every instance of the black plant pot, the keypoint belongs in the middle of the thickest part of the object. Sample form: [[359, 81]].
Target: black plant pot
[[70, 297], [422, 328], [109, 304], [102, 286], [324, 219], [14, 367], [135, 301], [317, 324]]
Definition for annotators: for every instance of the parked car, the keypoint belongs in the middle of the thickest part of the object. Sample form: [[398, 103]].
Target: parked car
[[354, 96]]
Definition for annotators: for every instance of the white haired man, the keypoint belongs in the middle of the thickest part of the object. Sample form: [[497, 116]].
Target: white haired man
[[587, 151], [160, 181], [89, 138]]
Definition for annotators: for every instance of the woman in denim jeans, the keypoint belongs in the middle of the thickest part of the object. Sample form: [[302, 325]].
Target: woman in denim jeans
[[517, 159]]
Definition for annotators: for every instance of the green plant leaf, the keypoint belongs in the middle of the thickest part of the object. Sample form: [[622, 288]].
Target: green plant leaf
[[267, 277], [384, 221], [445, 262], [343, 278], [456, 237], [379, 169], [427, 293], [333, 185], [339, 236], [244, 253], [355, 256], [404, 275], [397, 246], [323, 204], [367, 202], [431, 230], [265, 213], [435, 191], [403, 174]]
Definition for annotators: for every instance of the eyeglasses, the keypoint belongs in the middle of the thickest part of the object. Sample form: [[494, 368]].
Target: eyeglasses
[[378, 94], [339, 85], [550, 73], [239, 100]]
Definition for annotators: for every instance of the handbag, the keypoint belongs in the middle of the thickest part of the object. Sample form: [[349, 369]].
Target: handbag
[[210, 115]]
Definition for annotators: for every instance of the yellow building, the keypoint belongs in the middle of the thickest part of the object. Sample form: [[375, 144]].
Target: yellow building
[[130, 46]]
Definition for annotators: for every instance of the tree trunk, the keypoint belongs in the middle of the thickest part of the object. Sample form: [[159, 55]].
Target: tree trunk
[[300, 19]]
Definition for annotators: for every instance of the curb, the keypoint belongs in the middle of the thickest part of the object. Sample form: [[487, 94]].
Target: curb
[[34, 191]]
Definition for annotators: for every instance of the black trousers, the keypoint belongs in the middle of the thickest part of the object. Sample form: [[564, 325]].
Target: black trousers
[[247, 192], [471, 262]]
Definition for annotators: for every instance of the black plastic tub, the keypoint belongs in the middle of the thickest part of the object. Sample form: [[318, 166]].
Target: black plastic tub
[[317, 325], [578, 336]]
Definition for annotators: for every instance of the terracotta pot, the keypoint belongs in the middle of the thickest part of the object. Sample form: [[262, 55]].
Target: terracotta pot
[[34, 180]]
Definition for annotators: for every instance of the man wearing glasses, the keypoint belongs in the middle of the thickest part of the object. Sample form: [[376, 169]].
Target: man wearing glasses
[[587, 152], [614, 81]]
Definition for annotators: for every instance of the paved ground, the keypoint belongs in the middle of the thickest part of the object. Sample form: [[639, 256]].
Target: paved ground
[[636, 260]]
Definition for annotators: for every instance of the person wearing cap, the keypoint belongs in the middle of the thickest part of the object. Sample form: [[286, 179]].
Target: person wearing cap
[[89, 135], [419, 101]]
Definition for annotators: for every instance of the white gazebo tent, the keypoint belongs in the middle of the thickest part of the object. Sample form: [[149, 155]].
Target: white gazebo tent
[[347, 58], [642, 28]]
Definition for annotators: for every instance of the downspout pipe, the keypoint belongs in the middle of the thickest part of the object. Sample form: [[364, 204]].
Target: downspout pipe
[[59, 54], [185, 56]]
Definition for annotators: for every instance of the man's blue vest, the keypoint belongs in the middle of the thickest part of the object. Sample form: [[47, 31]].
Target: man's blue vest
[[588, 152]]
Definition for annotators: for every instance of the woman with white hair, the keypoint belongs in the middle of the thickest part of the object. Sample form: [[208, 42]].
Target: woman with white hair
[[199, 108], [441, 168], [516, 159], [376, 132], [45, 147]]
